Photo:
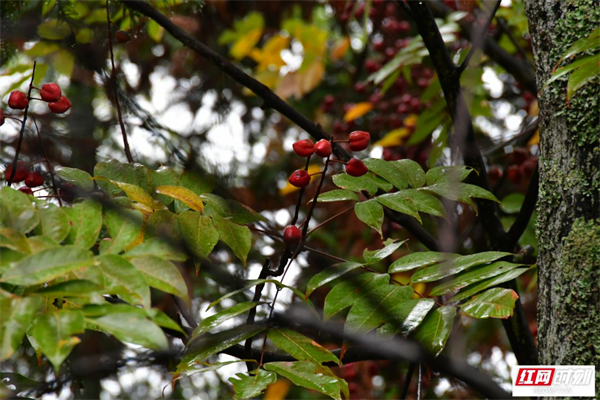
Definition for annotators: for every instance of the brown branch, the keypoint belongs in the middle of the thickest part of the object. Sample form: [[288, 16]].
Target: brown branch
[[48, 165], [518, 227]]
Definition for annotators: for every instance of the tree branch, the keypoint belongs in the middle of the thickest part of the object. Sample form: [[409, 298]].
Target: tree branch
[[518, 227]]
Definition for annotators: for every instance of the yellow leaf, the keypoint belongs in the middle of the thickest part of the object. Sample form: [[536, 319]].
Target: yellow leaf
[[533, 108], [270, 54], [340, 48], [245, 44], [312, 77], [358, 110], [410, 121], [393, 138], [289, 188], [136, 193], [189, 198], [267, 78], [535, 139], [277, 390], [299, 83]]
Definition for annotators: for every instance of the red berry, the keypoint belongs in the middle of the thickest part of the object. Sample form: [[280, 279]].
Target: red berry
[[402, 109], [300, 178], [519, 155], [67, 192], [1, 117], [379, 45], [495, 173], [18, 100], [34, 179], [514, 174], [304, 148], [355, 167], [372, 66], [60, 106], [422, 83], [122, 36], [26, 190], [360, 87], [20, 173], [50, 92], [292, 234], [528, 167], [359, 140], [323, 148]]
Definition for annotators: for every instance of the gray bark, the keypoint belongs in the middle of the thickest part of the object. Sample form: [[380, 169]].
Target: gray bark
[[569, 204]]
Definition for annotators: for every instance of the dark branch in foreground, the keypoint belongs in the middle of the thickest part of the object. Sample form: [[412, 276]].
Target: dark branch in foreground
[[518, 227]]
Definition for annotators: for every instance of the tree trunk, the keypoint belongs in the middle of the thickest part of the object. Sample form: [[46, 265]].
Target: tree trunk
[[569, 204]]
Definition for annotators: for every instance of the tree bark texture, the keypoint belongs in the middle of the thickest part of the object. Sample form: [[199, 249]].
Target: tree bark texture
[[568, 205]]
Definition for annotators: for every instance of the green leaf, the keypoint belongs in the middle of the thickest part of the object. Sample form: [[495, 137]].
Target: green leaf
[[14, 240], [584, 44], [157, 247], [428, 121], [163, 320], [205, 367], [412, 172], [581, 76], [119, 276], [77, 177], [237, 237], [387, 171], [242, 214], [371, 213], [128, 324], [47, 265], [186, 196], [199, 233], [461, 192], [401, 203], [54, 222], [311, 376], [493, 303], [163, 224], [72, 288], [511, 204], [124, 226], [216, 205], [162, 275], [574, 65], [9, 258], [473, 275], [379, 182], [85, 220], [458, 264], [207, 345], [20, 382], [329, 274], [39, 243], [355, 184], [199, 184], [406, 317], [346, 293], [417, 260], [424, 202], [136, 193], [248, 386], [217, 319], [155, 31], [300, 347], [16, 210], [164, 176], [337, 195], [434, 331], [53, 29], [455, 173], [134, 174], [371, 310], [485, 284], [372, 257], [17, 314]]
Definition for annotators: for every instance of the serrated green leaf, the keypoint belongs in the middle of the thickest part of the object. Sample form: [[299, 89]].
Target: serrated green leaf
[[47, 265], [355, 184], [237, 237], [311, 376], [199, 233], [124, 226], [75, 176], [337, 195], [487, 283], [435, 330], [371, 310], [54, 222], [17, 211], [455, 173], [371, 213], [217, 319], [473, 275], [493, 303], [329, 274], [406, 317], [162, 275], [85, 220], [458, 264], [248, 386], [17, 314], [417, 260], [14, 240], [300, 347], [401, 203], [412, 172], [346, 293], [374, 256], [387, 171]]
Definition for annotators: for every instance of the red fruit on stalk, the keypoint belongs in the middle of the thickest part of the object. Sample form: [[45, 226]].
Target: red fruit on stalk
[[20, 173], [18, 100], [67, 192], [323, 148], [292, 234], [50, 92], [26, 190], [359, 140], [372, 66], [514, 174], [519, 155], [495, 173], [300, 178], [122, 36], [60, 106], [528, 167], [355, 167], [34, 179], [1, 117], [304, 148]]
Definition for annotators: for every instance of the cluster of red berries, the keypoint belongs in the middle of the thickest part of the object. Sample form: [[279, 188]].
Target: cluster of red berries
[[31, 178], [521, 166], [50, 93]]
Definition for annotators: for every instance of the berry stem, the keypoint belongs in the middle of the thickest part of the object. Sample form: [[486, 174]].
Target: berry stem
[[329, 219], [299, 203], [22, 131], [48, 165]]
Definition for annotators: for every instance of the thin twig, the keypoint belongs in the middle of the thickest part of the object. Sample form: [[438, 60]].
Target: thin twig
[[330, 219], [518, 227], [113, 78], [407, 379], [48, 165]]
